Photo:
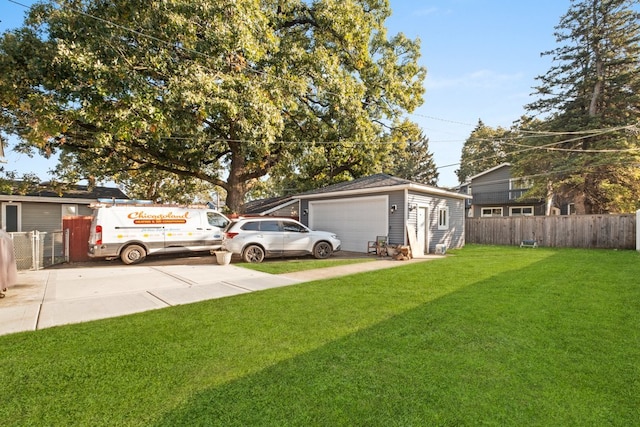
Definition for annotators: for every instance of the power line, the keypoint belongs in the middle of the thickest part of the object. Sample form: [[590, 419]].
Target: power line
[[524, 133], [634, 163], [549, 147]]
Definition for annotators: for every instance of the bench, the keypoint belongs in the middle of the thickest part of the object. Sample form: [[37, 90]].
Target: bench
[[528, 244]]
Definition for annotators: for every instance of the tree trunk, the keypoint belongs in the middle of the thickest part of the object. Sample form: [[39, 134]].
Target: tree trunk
[[236, 183], [597, 89], [549, 198], [236, 191]]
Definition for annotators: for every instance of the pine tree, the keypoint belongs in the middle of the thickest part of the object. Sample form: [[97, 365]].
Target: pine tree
[[481, 151], [410, 157], [590, 103]]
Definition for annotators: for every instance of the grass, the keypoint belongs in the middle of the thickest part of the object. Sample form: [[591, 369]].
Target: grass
[[273, 266], [487, 336]]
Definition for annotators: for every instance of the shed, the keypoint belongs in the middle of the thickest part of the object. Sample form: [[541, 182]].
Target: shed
[[42, 208], [384, 205]]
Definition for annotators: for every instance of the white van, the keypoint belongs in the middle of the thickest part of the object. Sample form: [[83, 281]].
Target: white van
[[134, 231]]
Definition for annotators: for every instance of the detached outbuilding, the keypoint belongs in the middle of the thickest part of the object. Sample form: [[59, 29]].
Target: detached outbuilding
[[37, 216], [383, 205]]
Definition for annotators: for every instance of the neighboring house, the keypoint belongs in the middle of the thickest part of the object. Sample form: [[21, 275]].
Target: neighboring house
[[495, 193], [42, 209], [285, 206], [383, 205]]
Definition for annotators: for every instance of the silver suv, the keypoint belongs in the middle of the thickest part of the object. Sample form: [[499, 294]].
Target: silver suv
[[255, 239]]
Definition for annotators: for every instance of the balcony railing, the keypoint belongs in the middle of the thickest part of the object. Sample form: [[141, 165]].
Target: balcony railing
[[500, 197]]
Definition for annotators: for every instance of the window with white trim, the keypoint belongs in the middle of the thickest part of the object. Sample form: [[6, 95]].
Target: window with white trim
[[517, 186], [489, 212], [69, 210], [521, 211], [520, 183], [443, 218]]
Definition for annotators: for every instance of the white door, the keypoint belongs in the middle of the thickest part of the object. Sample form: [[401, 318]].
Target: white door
[[356, 221], [296, 237], [423, 230]]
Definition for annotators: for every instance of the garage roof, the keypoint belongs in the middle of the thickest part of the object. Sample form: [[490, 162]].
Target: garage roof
[[20, 191], [378, 183]]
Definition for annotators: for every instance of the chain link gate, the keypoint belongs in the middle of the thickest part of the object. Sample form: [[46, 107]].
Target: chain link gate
[[36, 250]]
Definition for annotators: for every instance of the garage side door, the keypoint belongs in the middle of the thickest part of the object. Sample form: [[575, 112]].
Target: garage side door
[[356, 221]]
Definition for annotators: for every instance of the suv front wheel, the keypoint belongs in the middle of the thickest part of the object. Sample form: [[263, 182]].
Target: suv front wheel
[[253, 253], [322, 250]]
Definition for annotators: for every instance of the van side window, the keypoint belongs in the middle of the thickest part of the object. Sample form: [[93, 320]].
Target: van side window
[[216, 220]]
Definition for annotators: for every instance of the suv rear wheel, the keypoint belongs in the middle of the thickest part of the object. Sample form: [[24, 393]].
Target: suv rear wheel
[[253, 253]]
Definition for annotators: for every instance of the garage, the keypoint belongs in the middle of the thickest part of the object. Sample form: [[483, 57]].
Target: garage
[[355, 220]]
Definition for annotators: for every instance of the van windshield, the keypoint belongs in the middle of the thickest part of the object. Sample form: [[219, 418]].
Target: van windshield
[[217, 220]]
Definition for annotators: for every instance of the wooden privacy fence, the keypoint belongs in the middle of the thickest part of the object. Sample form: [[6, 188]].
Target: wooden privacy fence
[[570, 231]]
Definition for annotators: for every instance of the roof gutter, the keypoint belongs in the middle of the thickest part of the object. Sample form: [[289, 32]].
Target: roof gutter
[[409, 187], [39, 199]]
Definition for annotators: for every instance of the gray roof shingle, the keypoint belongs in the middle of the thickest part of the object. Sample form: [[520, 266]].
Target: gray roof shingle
[[372, 181]]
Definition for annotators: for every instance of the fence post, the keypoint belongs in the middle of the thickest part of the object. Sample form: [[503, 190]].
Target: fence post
[[638, 230], [66, 244], [34, 249]]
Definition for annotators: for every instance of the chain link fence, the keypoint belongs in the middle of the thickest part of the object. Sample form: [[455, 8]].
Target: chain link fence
[[36, 250]]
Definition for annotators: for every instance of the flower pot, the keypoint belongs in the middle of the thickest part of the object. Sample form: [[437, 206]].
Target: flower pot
[[223, 257]]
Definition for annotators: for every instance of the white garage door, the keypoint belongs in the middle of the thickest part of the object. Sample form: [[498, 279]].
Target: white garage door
[[356, 221]]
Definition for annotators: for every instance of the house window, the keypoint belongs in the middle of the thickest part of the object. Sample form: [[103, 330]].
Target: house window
[[489, 212], [571, 209], [69, 210], [521, 211], [518, 186], [443, 218]]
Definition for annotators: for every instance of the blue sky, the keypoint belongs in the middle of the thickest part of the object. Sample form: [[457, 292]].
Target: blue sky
[[482, 57]]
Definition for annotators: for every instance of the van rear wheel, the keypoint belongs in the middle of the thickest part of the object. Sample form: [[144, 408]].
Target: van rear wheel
[[133, 254]]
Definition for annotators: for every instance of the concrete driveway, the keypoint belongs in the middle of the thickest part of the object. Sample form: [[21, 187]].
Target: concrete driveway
[[78, 293]]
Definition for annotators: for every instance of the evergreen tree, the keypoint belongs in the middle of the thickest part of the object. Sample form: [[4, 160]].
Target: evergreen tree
[[481, 151], [590, 101], [410, 157]]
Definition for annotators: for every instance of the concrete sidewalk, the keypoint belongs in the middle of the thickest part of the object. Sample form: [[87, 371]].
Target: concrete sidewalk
[[52, 297]]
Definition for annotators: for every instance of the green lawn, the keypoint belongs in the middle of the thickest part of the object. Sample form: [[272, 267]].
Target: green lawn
[[278, 266], [486, 336]]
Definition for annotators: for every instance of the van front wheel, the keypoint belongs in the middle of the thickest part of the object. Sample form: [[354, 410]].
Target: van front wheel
[[133, 254]]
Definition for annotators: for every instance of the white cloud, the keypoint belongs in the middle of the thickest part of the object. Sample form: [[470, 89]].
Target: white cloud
[[426, 11], [476, 79], [431, 11]]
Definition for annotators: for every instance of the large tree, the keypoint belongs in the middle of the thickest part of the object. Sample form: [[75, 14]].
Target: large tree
[[590, 104], [483, 150], [410, 157], [212, 90]]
